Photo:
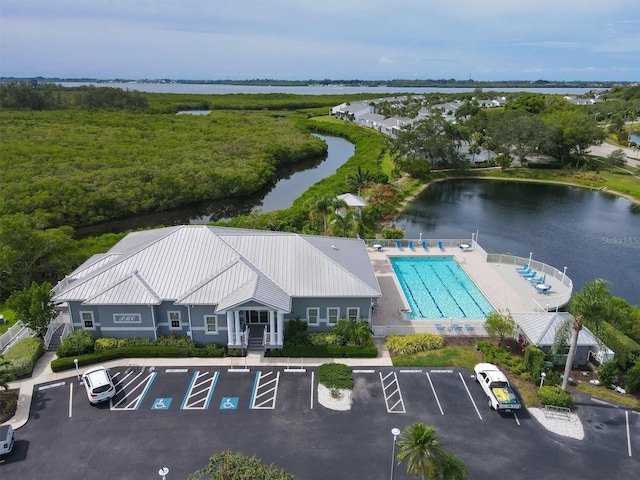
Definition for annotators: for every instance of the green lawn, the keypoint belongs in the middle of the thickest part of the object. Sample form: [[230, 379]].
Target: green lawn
[[8, 318], [454, 356]]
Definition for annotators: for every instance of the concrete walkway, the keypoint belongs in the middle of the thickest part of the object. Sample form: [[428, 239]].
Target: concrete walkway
[[42, 372]]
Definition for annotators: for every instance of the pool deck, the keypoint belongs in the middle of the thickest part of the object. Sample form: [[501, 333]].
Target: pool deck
[[501, 285]]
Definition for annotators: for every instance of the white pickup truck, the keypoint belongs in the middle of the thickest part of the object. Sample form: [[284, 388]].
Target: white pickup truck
[[500, 395]]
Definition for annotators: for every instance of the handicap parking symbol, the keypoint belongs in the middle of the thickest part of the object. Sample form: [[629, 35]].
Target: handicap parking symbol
[[229, 403], [161, 404]]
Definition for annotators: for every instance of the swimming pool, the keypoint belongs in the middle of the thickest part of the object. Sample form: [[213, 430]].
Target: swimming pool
[[438, 288]]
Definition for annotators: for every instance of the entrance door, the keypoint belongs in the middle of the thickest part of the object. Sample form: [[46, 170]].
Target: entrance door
[[256, 317]]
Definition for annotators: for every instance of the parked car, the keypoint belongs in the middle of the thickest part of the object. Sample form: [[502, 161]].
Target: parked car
[[7, 437], [98, 384]]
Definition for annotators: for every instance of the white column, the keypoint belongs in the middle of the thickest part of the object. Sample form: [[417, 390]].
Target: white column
[[272, 327], [236, 317], [280, 330], [153, 319], [229, 328]]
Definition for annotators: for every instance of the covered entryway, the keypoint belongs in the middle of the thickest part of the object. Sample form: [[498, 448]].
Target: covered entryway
[[260, 327]]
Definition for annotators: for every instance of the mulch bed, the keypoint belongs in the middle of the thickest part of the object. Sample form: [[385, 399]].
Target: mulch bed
[[8, 404]]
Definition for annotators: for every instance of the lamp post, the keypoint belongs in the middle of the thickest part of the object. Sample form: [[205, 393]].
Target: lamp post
[[395, 432], [530, 255], [75, 361], [542, 377], [472, 238], [564, 272], [163, 472]]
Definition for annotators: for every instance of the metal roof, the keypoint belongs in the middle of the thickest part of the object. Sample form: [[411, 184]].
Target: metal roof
[[202, 265], [541, 328]]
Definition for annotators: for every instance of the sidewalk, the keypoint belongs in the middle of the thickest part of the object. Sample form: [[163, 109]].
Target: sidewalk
[[42, 372]]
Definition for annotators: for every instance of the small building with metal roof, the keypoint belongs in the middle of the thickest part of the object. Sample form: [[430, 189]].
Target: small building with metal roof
[[216, 284], [540, 330]]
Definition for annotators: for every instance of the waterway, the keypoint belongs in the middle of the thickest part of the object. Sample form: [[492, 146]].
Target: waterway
[[219, 89], [292, 182], [593, 234]]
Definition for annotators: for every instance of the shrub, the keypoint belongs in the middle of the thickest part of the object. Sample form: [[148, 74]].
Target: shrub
[[409, 344], [315, 351], [295, 331], [534, 362], [325, 339], [493, 354], [552, 395], [236, 466], [24, 355], [105, 344], [76, 343], [335, 375]]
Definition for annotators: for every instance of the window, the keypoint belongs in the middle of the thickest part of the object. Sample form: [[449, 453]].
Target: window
[[312, 315], [210, 324], [87, 320], [174, 320], [333, 313], [353, 313]]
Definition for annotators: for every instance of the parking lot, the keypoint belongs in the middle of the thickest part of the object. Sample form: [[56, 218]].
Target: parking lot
[[178, 417]]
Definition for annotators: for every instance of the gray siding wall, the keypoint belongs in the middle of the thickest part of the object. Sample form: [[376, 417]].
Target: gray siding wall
[[300, 305], [198, 330], [106, 324]]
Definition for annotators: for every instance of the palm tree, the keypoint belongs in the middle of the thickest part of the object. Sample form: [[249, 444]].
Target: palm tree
[[589, 307], [324, 206], [452, 468], [344, 225], [360, 179], [419, 446]]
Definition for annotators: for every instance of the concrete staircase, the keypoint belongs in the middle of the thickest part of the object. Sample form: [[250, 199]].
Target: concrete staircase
[[55, 339], [256, 334]]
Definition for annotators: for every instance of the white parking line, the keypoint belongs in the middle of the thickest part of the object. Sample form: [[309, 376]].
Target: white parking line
[[435, 394], [626, 415], [390, 390], [469, 393], [51, 385], [312, 389], [266, 391], [200, 391], [70, 399], [134, 404]]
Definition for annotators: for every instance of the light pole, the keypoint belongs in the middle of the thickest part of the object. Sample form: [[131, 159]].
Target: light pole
[[77, 369], [542, 377], [395, 432], [530, 255], [420, 237], [564, 272], [163, 473]]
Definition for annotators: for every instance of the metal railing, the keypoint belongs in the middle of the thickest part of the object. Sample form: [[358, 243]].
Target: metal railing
[[416, 242], [15, 333]]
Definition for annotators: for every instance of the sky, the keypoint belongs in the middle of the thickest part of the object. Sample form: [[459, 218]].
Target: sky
[[323, 39]]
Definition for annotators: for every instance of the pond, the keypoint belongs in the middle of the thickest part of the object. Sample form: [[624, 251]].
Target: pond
[[592, 233]]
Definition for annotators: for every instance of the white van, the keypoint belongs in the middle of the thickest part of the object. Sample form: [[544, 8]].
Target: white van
[[6, 439]]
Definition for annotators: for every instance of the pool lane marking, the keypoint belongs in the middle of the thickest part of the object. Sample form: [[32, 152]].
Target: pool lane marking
[[135, 403], [387, 396], [464, 287], [200, 384], [447, 289], [406, 284], [434, 393], [469, 393], [428, 291]]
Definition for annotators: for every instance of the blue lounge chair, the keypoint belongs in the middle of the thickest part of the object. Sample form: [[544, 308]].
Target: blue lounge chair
[[468, 328], [455, 327], [523, 268], [410, 244], [538, 281], [531, 275], [424, 245], [440, 246], [440, 328], [399, 244]]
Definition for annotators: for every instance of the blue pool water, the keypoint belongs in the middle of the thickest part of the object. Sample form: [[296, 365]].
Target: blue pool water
[[438, 289]]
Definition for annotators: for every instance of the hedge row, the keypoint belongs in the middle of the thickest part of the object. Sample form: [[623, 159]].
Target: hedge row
[[410, 344], [316, 351], [24, 355], [210, 351]]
